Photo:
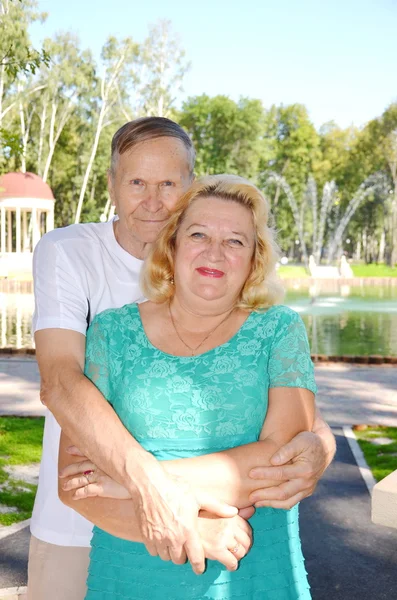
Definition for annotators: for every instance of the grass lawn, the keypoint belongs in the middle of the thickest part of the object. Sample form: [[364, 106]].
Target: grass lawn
[[382, 459], [292, 271], [374, 270], [20, 444]]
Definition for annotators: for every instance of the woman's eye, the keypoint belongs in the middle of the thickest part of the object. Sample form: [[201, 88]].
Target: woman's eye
[[197, 235], [235, 242]]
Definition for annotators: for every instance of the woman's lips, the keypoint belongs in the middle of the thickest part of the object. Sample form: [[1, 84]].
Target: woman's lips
[[210, 272]]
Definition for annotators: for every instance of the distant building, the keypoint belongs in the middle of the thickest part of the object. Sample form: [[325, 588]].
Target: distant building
[[26, 213]]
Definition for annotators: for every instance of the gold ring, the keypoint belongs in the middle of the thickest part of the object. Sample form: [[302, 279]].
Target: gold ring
[[235, 549]]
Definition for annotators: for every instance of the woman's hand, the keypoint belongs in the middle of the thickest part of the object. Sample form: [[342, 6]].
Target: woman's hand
[[88, 481], [226, 540]]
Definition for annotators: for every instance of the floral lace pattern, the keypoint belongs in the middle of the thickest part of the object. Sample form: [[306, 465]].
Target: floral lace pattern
[[222, 392], [184, 406]]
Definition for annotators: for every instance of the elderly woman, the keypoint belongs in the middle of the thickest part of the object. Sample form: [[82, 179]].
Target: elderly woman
[[211, 376]]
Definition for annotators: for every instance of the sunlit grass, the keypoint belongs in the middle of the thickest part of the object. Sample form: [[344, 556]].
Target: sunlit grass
[[374, 270], [381, 459], [292, 271], [20, 444]]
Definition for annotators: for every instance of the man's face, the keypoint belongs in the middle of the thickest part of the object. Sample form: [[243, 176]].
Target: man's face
[[146, 184]]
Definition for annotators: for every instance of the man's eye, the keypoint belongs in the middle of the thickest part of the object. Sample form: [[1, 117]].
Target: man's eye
[[136, 182], [168, 183]]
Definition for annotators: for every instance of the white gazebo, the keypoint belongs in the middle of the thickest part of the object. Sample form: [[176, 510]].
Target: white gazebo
[[26, 213]]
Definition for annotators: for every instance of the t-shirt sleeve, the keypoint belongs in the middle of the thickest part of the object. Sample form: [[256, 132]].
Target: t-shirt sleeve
[[60, 301], [97, 367], [290, 364]]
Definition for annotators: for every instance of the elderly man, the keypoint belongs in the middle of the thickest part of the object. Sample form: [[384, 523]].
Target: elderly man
[[78, 272]]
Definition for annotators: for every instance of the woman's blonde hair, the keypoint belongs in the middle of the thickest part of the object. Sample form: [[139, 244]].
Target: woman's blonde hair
[[262, 287]]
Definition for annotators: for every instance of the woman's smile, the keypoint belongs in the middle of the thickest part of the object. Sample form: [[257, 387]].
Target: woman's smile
[[206, 272]]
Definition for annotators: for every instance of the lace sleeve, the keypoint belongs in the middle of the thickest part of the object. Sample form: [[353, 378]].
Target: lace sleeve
[[290, 364], [97, 357]]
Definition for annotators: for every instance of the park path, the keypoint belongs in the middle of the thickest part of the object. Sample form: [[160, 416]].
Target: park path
[[347, 556], [348, 394]]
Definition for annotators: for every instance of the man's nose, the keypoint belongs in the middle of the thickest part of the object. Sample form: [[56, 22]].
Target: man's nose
[[153, 202]]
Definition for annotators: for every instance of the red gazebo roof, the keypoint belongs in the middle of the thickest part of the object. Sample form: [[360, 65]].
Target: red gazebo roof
[[24, 185]]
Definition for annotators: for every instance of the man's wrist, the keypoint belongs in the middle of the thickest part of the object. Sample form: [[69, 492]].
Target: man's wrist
[[140, 469]]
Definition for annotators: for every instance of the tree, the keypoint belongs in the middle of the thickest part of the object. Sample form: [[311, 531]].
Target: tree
[[16, 55], [162, 67], [373, 152], [227, 135], [119, 60]]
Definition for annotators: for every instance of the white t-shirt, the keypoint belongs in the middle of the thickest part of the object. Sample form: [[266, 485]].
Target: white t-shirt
[[78, 272]]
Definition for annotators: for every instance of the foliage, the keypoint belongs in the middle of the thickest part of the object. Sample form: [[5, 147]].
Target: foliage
[[226, 134], [59, 109]]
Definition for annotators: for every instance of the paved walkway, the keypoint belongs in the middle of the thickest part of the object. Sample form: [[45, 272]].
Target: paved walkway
[[347, 557]]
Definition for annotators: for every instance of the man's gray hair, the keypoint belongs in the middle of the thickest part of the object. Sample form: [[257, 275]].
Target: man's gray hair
[[149, 128]]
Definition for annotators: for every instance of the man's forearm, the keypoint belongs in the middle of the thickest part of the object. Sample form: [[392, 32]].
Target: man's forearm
[[91, 423], [117, 517], [223, 475], [323, 430]]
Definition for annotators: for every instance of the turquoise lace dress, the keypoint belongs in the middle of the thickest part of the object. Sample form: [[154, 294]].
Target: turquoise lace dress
[[185, 406]]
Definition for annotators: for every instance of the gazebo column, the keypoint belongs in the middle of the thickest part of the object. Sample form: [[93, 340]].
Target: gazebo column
[[50, 220], [18, 229], [2, 230], [35, 227], [25, 241], [9, 231]]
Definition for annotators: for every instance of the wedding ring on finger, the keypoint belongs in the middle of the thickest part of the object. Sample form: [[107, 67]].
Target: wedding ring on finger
[[235, 549], [87, 474]]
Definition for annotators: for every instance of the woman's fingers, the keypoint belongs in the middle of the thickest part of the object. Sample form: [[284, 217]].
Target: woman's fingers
[[75, 468], [74, 451], [246, 513], [79, 482], [88, 491], [244, 541], [245, 526]]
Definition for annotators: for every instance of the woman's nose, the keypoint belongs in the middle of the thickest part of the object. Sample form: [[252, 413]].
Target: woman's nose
[[214, 250]]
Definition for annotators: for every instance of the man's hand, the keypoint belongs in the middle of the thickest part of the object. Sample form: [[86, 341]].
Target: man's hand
[[167, 509], [298, 466], [225, 540]]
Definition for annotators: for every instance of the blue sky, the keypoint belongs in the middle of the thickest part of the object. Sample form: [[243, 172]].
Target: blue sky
[[336, 57]]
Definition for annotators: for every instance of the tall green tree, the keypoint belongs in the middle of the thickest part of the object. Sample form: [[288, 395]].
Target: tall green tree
[[227, 134], [16, 56]]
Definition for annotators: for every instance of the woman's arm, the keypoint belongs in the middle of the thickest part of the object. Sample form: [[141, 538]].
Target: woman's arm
[[224, 475], [119, 518]]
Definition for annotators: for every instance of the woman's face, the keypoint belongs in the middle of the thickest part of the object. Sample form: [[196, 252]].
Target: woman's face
[[214, 248]]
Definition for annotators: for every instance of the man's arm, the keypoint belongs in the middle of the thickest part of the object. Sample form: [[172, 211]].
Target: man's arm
[[166, 511], [221, 474], [297, 466]]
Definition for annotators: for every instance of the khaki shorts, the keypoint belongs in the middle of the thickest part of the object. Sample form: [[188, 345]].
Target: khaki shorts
[[57, 572]]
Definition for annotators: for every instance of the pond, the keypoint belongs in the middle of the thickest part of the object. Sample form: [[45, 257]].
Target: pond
[[347, 320], [340, 320]]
